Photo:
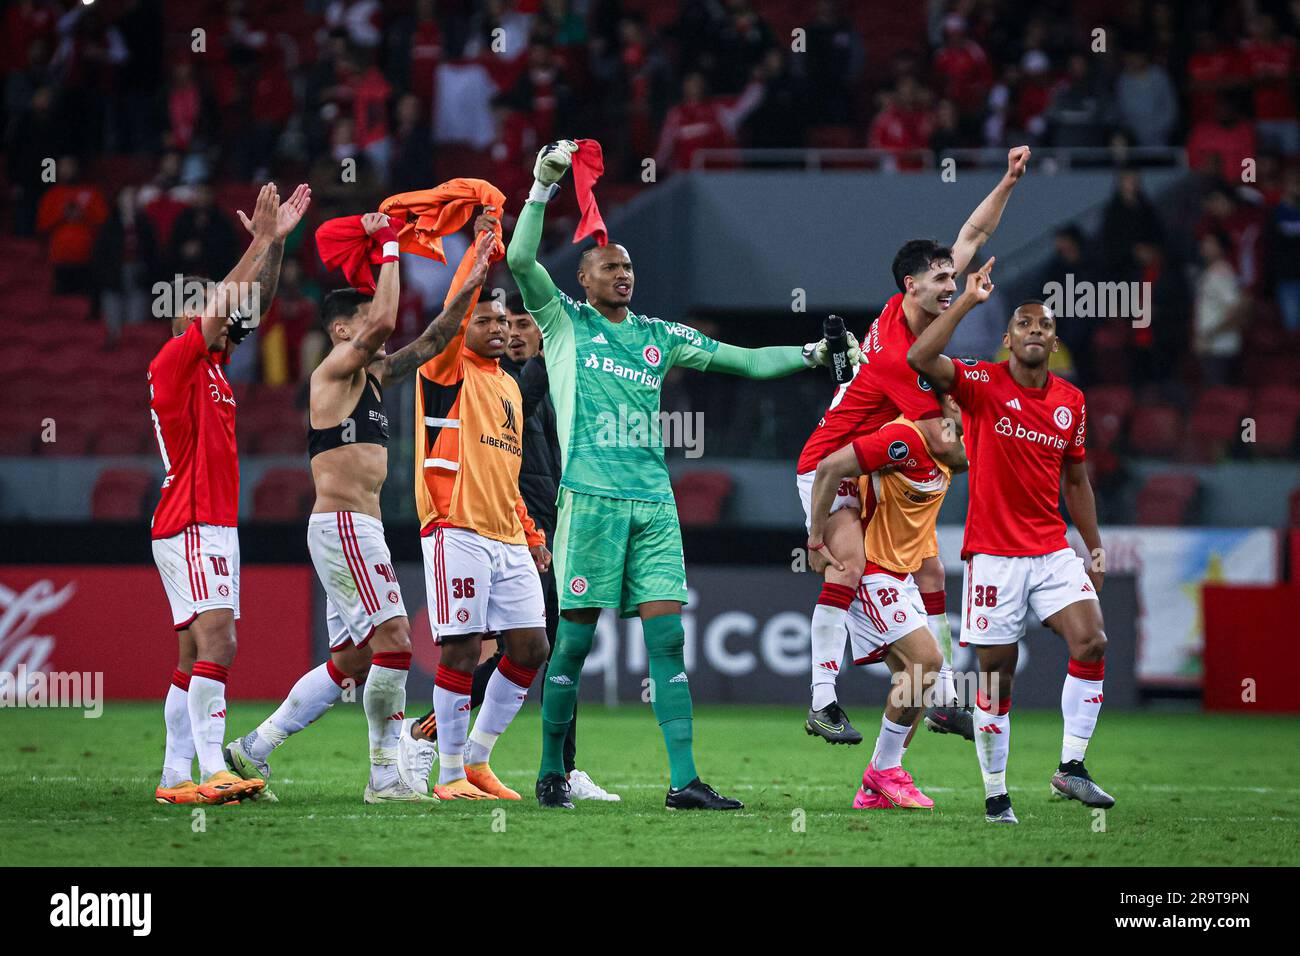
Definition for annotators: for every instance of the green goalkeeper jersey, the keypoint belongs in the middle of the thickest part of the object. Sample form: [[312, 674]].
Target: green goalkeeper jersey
[[606, 377], [605, 383]]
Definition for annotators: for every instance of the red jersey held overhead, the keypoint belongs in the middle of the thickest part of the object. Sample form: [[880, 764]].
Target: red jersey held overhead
[[883, 388], [1018, 440], [193, 411]]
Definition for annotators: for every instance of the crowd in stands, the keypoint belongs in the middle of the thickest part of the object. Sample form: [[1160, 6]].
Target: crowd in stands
[[156, 116]]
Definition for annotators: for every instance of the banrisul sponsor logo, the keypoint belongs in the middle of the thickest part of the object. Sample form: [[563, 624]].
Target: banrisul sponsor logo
[[630, 373], [77, 908]]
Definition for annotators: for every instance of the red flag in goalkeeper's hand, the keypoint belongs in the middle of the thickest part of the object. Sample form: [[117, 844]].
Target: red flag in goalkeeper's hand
[[588, 166]]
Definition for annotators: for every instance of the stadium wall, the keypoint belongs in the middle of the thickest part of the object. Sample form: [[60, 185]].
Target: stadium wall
[[741, 241]]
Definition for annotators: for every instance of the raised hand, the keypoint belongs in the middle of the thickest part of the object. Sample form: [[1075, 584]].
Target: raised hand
[[372, 222], [978, 283], [1017, 162], [265, 213], [291, 211], [486, 221], [553, 161]]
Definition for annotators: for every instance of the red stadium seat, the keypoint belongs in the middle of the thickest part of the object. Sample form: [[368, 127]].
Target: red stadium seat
[[283, 494], [701, 496], [1108, 409], [1227, 398], [1275, 431], [1210, 430], [1155, 430], [280, 441], [1167, 499], [1277, 396], [121, 494], [120, 441]]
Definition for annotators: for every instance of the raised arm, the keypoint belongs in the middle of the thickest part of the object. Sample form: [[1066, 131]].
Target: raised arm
[[773, 361], [988, 213], [443, 329], [1082, 508], [227, 298], [288, 214], [534, 281], [372, 330], [926, 354]]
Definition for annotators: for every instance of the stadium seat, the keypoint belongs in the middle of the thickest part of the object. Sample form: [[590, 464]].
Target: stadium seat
[[121, 494], [1168, 499], [1155, 430], [1275, 431], [283, 494], [280, 441], [1211, 430], [1279, 395], [1108, 409], [1236, 401], [119, 441], [701, 496]]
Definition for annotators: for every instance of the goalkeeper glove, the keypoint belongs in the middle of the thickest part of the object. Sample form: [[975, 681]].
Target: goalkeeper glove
[[816, 354], [553, 161], [243, 325]]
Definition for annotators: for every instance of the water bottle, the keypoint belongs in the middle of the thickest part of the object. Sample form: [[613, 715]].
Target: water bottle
[[837, 346]]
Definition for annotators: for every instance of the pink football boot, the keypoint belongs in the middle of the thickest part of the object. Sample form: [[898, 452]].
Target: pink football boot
[[896, 786], [870, 800]]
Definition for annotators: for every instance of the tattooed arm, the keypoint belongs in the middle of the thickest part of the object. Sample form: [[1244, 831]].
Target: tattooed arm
[[443, 329]]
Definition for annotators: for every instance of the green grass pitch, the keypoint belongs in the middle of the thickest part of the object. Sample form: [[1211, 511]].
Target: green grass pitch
[[1191, 790]]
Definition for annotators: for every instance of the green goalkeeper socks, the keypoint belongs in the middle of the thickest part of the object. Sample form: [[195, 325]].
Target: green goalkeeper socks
[[572, 645], [670, 693]]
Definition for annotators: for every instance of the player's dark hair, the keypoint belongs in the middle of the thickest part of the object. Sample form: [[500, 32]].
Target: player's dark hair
[[515, 304], [1038, 302], [916, 256], [341, 304]]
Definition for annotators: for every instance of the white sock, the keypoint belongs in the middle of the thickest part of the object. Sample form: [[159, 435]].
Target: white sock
[[945, 689], [178, 759], [315, 692], [207, 708], [828, 636], [384, 700], [451, 710], [992, 745], [507, 689], [889, 744], [1080, 706]]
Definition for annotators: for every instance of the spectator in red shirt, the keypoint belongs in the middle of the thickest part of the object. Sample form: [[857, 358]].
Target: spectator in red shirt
[[702, 122], [904, 124], [70, 214], [1270, 60], [963, 67], [1214, 69], [426, 53], [370, 94], [1219, 145]]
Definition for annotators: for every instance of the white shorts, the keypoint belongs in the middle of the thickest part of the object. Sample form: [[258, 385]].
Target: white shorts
[[846, 496], [200, 571], [997, 590], [883, 611], [356, 571], [475, 584]]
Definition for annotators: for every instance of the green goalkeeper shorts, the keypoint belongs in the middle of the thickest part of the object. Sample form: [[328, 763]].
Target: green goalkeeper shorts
[[616, 552]]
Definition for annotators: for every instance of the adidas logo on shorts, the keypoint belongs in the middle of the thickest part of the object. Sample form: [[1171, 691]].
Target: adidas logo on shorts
[[562, 679], [679, 679]]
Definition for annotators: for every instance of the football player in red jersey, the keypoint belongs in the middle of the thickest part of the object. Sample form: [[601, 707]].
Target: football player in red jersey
[[1024, 428], [884, 388], [195, 544]]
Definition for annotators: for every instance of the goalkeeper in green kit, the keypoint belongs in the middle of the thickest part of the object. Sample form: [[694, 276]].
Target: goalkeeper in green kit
[[617, 540]]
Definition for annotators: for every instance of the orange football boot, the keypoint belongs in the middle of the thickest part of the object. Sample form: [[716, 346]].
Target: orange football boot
[[460, 789], [481, 775], [226, 787], [187, 791]]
